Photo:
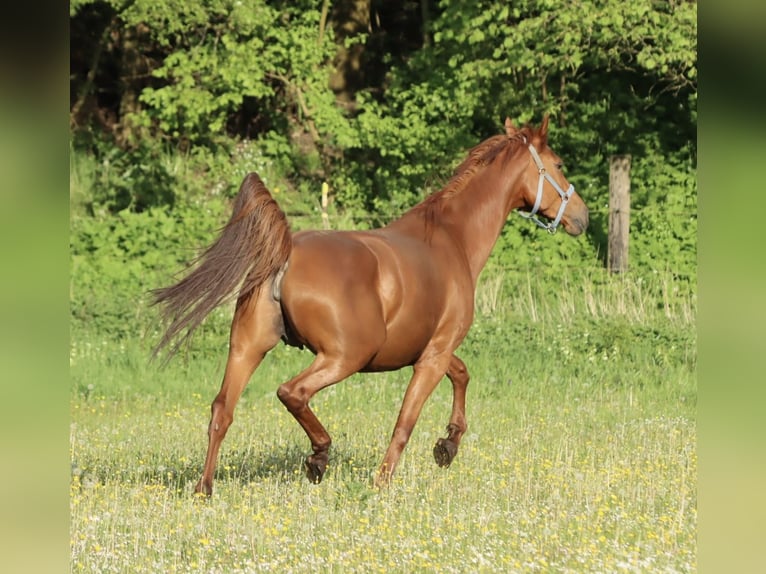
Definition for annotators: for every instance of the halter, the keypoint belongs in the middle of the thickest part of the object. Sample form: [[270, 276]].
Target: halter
[[565, 195]]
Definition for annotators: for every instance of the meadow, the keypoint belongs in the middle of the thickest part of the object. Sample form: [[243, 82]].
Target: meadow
[[580, 454]]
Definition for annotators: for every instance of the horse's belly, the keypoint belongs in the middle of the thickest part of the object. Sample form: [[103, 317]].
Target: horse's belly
[[405, 342], [388, 361], [392, 359]]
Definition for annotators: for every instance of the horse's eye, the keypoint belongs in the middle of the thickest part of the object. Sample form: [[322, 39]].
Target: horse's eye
[[559, 166]]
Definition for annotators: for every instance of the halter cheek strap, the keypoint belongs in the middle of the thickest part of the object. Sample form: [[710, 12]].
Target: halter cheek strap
[[565, 195]]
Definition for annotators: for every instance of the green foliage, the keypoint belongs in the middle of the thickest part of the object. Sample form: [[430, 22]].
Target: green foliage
[[592, 376], [664, 216], [243, 86], [134, 179], [612, 83], [581, 64], [227, 55], [116, 260]]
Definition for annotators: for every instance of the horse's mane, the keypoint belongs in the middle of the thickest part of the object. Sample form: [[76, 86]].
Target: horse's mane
[[478, 157]]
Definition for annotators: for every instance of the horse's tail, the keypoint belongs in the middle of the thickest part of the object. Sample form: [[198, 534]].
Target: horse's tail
[[251, 248]]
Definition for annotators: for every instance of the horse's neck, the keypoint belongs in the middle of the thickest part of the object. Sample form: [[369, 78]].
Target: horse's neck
[[475, 216], [472, 217]]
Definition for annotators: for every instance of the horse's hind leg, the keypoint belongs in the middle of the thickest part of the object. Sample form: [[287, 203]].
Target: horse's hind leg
[[296, 394], [255, 330], [446, 448]]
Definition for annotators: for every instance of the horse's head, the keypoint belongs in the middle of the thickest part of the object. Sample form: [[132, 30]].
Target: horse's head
[[545, 190]]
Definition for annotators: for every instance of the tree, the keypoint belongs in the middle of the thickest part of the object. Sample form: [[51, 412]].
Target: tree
[[380, 98]]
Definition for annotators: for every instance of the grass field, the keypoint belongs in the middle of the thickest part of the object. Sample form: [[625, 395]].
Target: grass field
[[580, 454]]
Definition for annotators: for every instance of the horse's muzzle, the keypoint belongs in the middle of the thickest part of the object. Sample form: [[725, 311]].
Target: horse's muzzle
[[575, 224]]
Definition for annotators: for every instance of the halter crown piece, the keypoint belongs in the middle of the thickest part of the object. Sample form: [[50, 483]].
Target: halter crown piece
[[565, 195]]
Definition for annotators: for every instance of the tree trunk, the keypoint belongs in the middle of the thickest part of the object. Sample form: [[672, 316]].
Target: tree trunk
[[134, 72], [349, 18], [619, 213]]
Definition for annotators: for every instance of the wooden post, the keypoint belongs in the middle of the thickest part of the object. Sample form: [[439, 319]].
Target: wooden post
[[619, 213], [325, 217]]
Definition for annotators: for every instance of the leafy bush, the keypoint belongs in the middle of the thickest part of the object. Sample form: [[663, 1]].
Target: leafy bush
[[116, 260], [209, 91]]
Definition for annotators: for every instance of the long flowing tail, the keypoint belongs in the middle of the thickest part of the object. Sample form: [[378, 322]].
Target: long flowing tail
[[251, 248]]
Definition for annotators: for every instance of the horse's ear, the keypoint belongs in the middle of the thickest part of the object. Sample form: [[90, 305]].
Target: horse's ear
[[509, 129], [544, 127]]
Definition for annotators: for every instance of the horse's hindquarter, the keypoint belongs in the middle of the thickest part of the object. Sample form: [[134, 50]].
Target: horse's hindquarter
[[325, 293], [376, 293]]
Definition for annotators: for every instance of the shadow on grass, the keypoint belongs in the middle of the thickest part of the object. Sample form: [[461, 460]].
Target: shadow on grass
[[286, 464], [282, 464]]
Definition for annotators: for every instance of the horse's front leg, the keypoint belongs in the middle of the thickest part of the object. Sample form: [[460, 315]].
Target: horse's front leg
[[427, 374]]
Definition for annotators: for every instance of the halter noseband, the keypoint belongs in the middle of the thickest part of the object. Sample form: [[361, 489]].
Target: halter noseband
[[565, 195]]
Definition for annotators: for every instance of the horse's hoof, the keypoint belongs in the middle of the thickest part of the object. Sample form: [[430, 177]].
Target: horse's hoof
[[203, 491], [314, 471], [382, 480], [444, 452]]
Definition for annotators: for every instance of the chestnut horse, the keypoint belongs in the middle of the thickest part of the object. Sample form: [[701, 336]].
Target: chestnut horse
[[377, 300]]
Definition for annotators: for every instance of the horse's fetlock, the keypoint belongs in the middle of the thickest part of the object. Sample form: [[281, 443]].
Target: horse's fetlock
[[401, 437], [322, 446]]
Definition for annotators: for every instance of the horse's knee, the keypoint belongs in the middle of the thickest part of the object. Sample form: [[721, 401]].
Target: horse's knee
[[456, 429]]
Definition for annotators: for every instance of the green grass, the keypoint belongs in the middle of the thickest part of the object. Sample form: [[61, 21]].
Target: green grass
[[580, 454]]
